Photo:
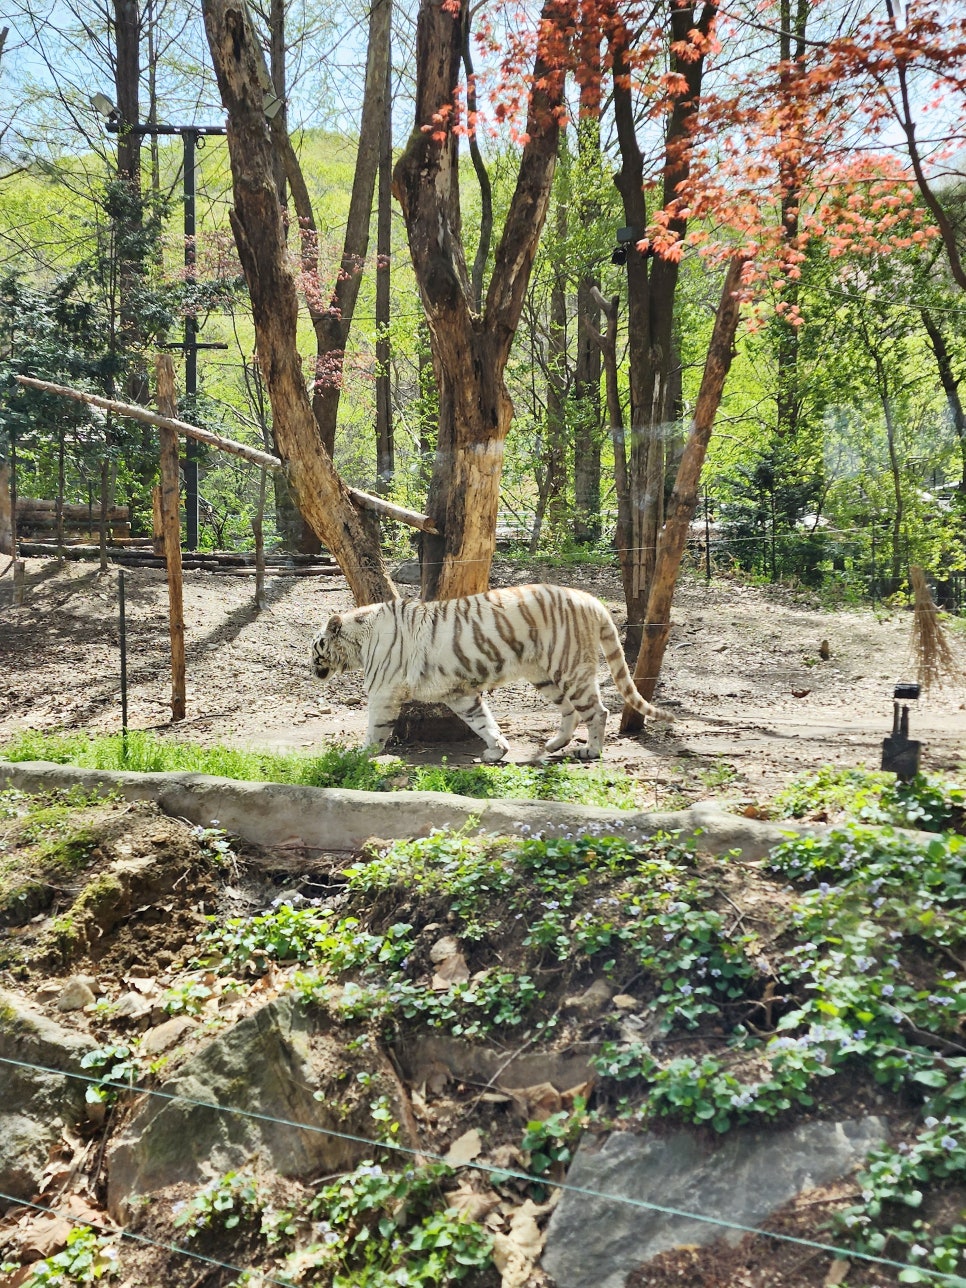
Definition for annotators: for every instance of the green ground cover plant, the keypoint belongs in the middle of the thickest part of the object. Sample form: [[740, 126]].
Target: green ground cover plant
[[335, 766], [928, 802]]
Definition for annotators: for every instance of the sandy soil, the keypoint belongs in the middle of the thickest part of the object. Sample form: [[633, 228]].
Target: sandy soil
[[754, 701]]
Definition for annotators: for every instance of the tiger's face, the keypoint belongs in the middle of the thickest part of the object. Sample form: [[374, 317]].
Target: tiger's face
[[334, 650]]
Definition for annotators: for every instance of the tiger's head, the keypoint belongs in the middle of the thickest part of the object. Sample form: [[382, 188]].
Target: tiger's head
[[337, 648]]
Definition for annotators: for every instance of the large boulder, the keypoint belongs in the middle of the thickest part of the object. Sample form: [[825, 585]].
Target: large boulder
[[595, 1241], [278, 1086], [39, 1096]]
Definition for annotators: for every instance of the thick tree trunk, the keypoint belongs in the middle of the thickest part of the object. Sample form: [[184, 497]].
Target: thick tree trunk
[[684, 499], [260, 237], [470, 350]]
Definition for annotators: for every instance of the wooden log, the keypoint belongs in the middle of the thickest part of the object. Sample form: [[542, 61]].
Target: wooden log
[[44, 522], [364, 500], [171, 529], [29, 506]]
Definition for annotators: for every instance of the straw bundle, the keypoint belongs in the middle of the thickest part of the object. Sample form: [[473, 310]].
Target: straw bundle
[[930, 644]]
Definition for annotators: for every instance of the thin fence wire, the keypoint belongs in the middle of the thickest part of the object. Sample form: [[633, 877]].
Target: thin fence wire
[[566, 1187]]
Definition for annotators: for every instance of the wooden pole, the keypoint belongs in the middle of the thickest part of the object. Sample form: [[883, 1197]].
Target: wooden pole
[[171, 528], [364, 500], [6, 512], [684, 499]]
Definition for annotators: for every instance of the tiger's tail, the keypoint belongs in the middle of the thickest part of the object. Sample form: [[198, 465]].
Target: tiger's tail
[[610, 643]]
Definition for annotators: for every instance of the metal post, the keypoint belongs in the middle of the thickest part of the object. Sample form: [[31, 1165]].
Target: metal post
[[189, 138]]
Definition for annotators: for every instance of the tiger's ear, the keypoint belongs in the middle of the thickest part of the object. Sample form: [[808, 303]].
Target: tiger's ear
[[334, 626]]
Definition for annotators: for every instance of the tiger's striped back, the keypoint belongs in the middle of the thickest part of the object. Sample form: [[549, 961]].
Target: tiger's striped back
[[454, 650]]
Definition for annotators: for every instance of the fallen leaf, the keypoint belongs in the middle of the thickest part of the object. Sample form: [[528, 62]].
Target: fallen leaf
[[515, 1253], [465, 1148], [476, 1204], [451, 970], [535, 1103], [800, 693]]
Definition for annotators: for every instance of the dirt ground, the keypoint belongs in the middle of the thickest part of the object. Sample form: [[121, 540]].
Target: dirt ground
[[754, 701]]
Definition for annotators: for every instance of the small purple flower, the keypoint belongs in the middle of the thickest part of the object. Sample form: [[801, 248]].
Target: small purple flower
[[949, 1142]]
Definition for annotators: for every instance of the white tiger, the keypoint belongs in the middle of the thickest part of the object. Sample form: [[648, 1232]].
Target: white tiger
[[453, 650]]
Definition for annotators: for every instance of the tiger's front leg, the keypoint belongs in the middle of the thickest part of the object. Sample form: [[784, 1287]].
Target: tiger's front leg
[[479, 717], [383, 714]]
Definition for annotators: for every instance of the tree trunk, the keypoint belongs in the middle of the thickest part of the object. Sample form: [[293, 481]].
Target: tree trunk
[[260, 237], [947, 378], [607, 344], [278, 70], [652, 286], [587, 371], [385, 447], [470, 350], [587, 520], [792, 50], [556, 439], [684, 499], [127, 79], [332, 324]]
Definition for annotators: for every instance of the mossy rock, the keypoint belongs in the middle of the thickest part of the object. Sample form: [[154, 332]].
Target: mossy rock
[[25, 901]]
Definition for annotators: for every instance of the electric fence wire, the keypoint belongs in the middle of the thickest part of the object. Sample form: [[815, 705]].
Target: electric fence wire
[[490, 1169]]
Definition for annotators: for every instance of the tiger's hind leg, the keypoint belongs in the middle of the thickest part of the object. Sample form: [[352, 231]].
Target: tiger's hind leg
[[474, 711], [568, 715], [583, 692]]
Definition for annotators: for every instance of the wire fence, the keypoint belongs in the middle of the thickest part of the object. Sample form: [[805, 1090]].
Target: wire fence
[[375, 1145]]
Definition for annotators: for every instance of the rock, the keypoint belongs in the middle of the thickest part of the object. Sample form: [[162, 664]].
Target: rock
[[274, 1085], [432, 1057], [75, 995], [591, 1002], [448, 946], [163, 1037], [408, 573], [596, 1242], [36, 1102], [131, 1006]]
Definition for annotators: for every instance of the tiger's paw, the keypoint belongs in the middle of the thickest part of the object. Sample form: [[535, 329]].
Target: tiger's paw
[[586, 753], [494, 754]]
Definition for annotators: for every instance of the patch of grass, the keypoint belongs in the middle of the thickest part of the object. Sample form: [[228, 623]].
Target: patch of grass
[[43, 840], [336, 766]]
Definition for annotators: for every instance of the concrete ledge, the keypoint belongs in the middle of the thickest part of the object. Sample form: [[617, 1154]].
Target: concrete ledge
[[323, 818]]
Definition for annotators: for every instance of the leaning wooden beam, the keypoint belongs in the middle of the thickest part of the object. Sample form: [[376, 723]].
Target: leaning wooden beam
[[147, 417], [365, 500]]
